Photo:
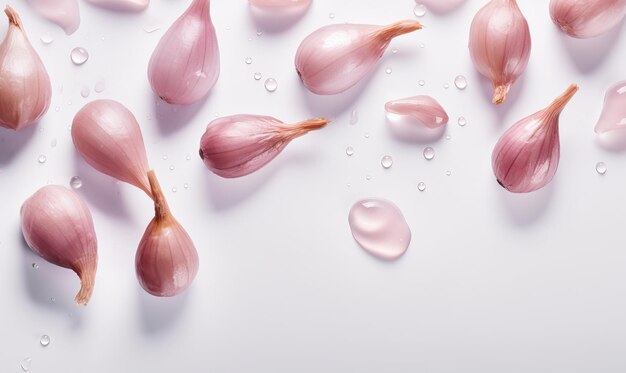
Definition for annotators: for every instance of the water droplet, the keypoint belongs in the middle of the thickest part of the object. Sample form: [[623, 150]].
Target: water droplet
[[448, 173], [394, 51], [386, 161], [421, 186], [188, 157], [349, 151], [354, 117], [462, 121], [257, 76], [227, 27], [421, 83], [460, 82], [26, 364], [271, 84], [174, 190], [200, 74], [248, 60], [601, 168], [35, 266], [52, 299], [379, 227], [172, 167], [100, 86], [448, 137], [367, 135], [419, 10], [388, 70], [348, 185], [259, 33], [53, 143], [429, 153], [79, 55], [331, 15], [42, 159], [151, 29], [186, 186], [56, 108], [368, 177], [85, 91], [46, 39], [446, 86], [422, 45], [45, 340], [164, 157], [76, 182]]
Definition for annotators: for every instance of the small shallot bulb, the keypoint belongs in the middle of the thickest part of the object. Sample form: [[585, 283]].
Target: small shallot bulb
[[108, 137], [57, 225], [283, 4], [587, 18], [122, 5], [334, 58], [526, 157], [64, 13], [424, 109], [499, 45], [441, 6], [238, 145], [166, 260], [186, 64], [25, 88], [613, 115]]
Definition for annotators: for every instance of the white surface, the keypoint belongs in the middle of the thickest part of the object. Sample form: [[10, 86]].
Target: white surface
[[492, 282]]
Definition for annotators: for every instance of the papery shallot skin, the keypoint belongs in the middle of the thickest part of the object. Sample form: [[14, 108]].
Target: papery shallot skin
[[587, 18], [25, 89], [613, 115], [238, 145], [185, 64], [424, 109], [122, 5], [64, 13], [108, 137], [500, 45], [526, 157], [334, 58], [57, 225]]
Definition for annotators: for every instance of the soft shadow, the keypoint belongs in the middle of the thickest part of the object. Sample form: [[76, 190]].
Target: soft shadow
[[614, 141], [331, 106], [101, 190], [405, 128], [589, 54], [512, 97], [527, 208], [172, 118], [118, 11], [440, 7], [49, 281], [276, 19], [158, 314], [14, 141]]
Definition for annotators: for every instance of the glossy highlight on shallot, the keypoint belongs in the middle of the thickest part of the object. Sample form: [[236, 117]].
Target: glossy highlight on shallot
[[108, 137], [186, 64], [25, 89], [334, 58], [283, 4], [57, 225], [64, 13], [584, 19], [441, 6], [122, 5], [238, 145], [500, 44], [424, 109], [527, 155], [613, 115]]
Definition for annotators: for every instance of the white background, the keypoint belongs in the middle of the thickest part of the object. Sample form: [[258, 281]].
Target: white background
[[492, 282]]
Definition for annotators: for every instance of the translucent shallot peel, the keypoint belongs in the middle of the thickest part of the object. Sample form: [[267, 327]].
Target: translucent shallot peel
[[186, 64], [334, 58], [238, 145], [108, 137], [424, 109], [613, 115], [584, 19], [166, 261], [122, 5], [25, 88], [499, 45], [57, 225], [526, 157], [64, 13]]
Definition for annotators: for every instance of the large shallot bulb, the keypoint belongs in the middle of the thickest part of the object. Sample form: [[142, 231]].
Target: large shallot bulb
[[334, 58], [238, 145], [108, 136], [499, 45], [166, 260], [587, 18], [24, 83], [527, 156], [186, 62], [57, 225]]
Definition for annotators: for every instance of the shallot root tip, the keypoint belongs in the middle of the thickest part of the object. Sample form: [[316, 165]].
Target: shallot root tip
[[399, 28], [499, 93], [14, 18], [87, 280], [161, 209]]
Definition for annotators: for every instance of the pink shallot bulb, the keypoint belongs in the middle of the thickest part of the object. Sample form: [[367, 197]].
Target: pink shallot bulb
[[108, 137], [122, 5], [526, 157], [57, 225], [441, 6], [64, 13], [613, 115], [282, 4], [25, 88], [587, 18], [186, 63], [334, 58], [166, 261], [499, 45], [238, 145], [424, 109]]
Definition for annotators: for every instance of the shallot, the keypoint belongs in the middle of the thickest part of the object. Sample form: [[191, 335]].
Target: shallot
[[424, 109], [587, 18]]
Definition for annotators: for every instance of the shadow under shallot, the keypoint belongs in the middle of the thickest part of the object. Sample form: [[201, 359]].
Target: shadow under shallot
[[159, 314], [172, 118], [408, 129], [527, 208], [12, 142], [277, 19], [614, 141], [512, 97]]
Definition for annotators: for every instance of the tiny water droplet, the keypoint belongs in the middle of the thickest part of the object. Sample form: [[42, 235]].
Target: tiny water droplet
[[421, 83], [368, 177], [42, 159], [56, 108], [172, 167], [188, 157], [354, 117], [174, 190], [446, 86], [186, 186], [367, 135], [429, 153], [460, 82], [45, 340], [421, 186], [164, 157], [76, 182], [53, 143], [348, 185], [100, 86], [35, 266], [248, 60], [462, 121], [257, 76], [151, 29], [227, 27], [394, 51], [26, 364], [79, 55], [85, 91], [448, 173], [448, 137], [422, 45], [419, 10], [52, 299], [388, 70], [46, 39], [601, 168], [271, 84], [331, 15], [349, 151], [386, 161], [259, 33]]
